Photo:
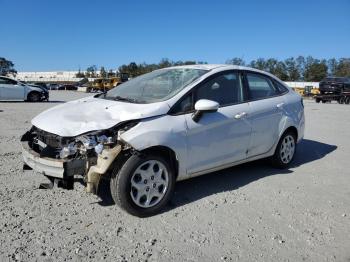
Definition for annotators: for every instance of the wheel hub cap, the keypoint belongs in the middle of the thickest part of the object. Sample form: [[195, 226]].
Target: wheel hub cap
[[149, 183], [287, 149]]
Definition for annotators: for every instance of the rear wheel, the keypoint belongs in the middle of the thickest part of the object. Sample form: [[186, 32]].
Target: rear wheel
[[347, 100], [285, 150], [34, 97], [341, 100], [143, 185]]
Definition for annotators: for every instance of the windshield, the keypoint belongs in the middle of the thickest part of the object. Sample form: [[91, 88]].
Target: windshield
[[159, 85]]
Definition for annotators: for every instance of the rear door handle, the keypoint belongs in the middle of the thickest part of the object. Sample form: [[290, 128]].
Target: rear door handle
[[280, 105], [240, 115]]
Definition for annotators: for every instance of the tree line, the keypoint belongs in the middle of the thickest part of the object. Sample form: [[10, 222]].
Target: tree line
[[291, 69], [299, 68], [6, 67], [133, 69]]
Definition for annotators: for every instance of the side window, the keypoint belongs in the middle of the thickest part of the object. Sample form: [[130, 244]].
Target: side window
[[281, 88], [3, 81], [6, 81], [12, 82], [225, 89], [185, 105], [260, 86]]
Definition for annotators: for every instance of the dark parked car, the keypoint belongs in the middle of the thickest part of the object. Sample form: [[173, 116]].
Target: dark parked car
[[53, 86], [334, 85], [67, 87], [41, 84]]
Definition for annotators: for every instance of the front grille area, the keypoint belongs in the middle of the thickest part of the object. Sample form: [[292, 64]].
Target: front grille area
[[49, 139], [45, 143]]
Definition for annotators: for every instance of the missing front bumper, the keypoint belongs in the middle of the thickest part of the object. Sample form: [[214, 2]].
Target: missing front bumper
[[57, 168]]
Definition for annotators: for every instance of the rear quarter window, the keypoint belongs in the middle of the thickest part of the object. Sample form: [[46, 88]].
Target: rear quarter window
[[260, 86], [281, 88]]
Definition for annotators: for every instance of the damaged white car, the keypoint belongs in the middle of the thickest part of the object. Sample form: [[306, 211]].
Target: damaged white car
[[165, 126]]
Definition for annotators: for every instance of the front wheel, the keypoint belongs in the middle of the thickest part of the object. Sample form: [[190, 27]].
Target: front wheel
[[143, 185], [34, 97], [285, 150]]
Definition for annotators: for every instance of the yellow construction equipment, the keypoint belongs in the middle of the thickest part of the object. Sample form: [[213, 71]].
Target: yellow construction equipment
[[97, 84], [307, 90], [299, 90], [105, 84]]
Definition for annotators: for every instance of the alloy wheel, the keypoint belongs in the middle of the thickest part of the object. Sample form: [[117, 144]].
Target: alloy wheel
[[149, 183], [287, 149]]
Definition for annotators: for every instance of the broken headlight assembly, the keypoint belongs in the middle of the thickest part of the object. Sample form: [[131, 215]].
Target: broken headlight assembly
[[95, 142], [85, 144]]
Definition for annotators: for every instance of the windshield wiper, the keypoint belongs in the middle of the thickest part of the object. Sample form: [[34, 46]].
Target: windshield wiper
[[127, 99]]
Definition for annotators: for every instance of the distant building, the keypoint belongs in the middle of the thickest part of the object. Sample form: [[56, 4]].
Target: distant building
[[55, 76]]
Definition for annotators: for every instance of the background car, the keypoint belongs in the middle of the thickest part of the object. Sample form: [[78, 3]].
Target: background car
[[67, 87], [53, 86], [334, 85], [11, 89]]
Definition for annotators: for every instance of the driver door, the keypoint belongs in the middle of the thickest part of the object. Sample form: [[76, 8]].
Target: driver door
[[222, 137]]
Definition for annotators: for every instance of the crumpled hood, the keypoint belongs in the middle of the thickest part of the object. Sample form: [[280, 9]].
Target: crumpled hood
[[91, 114]]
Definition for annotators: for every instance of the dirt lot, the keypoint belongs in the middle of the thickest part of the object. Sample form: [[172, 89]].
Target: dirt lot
[[246, 213]]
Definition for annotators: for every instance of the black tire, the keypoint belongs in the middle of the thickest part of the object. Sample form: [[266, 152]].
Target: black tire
[[120, 185], [276, 159], [317, 100], [34, 97], [347, 100], [341, 100]]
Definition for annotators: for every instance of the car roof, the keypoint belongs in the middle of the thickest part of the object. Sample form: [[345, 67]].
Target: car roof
[[199, 66], [223, 67], [218, 67]]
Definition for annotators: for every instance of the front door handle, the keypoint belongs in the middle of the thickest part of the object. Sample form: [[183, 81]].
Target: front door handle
[[240, 115], [280, 105]]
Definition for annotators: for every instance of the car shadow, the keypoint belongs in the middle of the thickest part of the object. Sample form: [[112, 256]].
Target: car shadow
[[230, 179]]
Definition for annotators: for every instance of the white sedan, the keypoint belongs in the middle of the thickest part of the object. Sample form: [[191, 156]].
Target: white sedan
[[168, 125], [11, 89]]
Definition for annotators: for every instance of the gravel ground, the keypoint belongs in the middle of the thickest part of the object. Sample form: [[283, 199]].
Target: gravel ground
[[247, 213]]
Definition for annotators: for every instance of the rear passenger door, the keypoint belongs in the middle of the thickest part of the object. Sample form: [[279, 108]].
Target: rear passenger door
[[266, 104]]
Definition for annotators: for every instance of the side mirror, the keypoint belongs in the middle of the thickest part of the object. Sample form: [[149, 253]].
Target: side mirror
[[204, 106]]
